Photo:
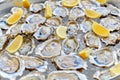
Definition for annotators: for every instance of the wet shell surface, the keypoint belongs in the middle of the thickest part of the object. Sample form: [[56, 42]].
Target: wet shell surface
[[70, 62], [49, 48], [66, 75]]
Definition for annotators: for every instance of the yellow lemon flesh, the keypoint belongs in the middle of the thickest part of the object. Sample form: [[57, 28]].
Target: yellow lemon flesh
[[15, 44], [85, 53], [102, 1], [92, 14], [70, 3], [48, 11], [100, 30], [15, 17], [26, 3], [61, 32], [115, 70]]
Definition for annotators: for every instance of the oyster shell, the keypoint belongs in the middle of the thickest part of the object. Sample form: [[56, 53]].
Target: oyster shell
[[10, 66], [54, 22], [49, 48], [36, 7], [111, 23], [43, 33], [35, 75], [60, 11], [32, 63], [70, 62], [112, 39], [92, 40], [73, 28], [66, 75], [69, 46], [103, 57], [36, 19], [76, 12], [52, 4]]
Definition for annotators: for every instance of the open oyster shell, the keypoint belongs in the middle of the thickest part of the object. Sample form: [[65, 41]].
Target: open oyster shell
[[34, 63], [54, 22], [103, 57], [35, 75], [66, 75], [70, 62], [69, 46], [76, 12], [43, 33], [11, 66], [92, 40], [49, 48]]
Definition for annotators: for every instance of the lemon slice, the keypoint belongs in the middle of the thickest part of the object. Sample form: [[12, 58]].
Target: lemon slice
[[85, 53], [70, 3], [92, 14], [115, 70], [102, 1], [15, 17], [26, 3], [15, 44], [48, 11], [61, 32], [100, 30]]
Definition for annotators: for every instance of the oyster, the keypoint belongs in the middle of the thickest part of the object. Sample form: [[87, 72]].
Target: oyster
[[103, 57], [49, 48], [34, 63], [52, 4], [112, 39], [60, 11], [69, 46], [70, 62], [76, 12], [35, 75], [36, 7], [36, 19], [73, 28], [66, 75], [10, 66], [111, 23], [43, 33], [92, 40], [54, 22]]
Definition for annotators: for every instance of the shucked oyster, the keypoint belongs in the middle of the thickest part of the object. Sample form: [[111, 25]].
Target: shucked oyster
[[66, 75], [35, 75], [92, 40], [76, 12], [34, 63], [10, 66], [70, 62], [103, 57], [43, 33], [111, 23], [49, 48], [69, 46]]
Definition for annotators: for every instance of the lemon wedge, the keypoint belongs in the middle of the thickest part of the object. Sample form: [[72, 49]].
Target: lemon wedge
[[15, 17], [100, 30], [48, 11], [61, 32], [85, 53], [92, 14], [70, 3], [26, 3], [15, 44], [115, 70], [102, 1]]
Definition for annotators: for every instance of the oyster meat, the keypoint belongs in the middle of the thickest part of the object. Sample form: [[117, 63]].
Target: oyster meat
[[66, 75], [92, 40], [70, 62], [49, 48]]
